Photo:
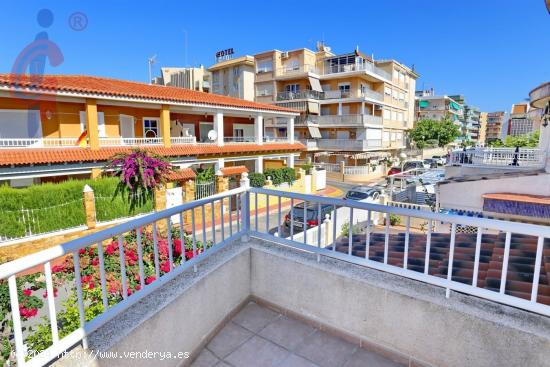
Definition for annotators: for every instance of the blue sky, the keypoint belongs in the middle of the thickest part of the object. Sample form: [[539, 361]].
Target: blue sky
[[492, 51]]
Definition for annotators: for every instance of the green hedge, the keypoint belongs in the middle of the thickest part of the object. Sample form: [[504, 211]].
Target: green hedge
[[55, 206], [281, 175], [256, 179]]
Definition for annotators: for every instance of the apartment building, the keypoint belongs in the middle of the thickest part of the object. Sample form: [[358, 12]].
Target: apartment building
[[469, 120], [348, 103], [234, 77], [482, 128], [58, 127], [438, 107], [495, 125], [190, 78], [521, 121]]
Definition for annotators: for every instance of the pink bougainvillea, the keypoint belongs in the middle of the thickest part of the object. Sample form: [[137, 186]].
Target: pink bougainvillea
[[140, 172]]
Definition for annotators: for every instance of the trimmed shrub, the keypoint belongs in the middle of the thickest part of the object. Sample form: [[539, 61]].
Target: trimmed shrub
[[55, 206], [256, 179], [281, 175]]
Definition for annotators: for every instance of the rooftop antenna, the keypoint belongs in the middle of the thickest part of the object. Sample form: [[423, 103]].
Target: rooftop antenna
[[151, 61]]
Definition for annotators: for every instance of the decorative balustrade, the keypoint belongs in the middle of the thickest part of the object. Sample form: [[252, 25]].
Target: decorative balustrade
[[499, 157]]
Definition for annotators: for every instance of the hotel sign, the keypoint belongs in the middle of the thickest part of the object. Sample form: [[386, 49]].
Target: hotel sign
[[224, 54]]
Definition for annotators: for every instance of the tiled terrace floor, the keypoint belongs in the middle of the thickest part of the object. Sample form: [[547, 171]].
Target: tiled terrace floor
[[258, 337]]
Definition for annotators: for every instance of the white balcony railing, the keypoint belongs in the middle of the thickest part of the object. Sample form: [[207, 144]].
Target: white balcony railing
[[347, 120], [500, 157], [37, 142], [347, 68], [348, 144], [273, 139], [293, 70], [142, 240], [239, 139], [72, 142]]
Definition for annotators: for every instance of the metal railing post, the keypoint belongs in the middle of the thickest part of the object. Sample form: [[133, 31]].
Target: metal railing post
[[245, 207]]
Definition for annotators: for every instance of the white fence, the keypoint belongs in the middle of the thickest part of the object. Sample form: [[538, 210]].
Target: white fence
[[38, 142], [204, 189], [499, 157]]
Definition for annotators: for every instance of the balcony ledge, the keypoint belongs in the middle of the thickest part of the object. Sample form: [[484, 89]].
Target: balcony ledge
[[369, 307]]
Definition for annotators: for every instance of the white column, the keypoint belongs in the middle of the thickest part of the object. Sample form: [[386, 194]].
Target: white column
[[290, 130], [259, 129], [220, 163], [340, 109], [362, 108], [218, 128], [259, 164], [290, 161]]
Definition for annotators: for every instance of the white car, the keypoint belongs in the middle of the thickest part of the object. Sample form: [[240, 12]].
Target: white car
[[440, 159], [366, 194]]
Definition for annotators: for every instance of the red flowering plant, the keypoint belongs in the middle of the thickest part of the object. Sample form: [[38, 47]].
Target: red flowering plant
[[90, 277], [140, 172]]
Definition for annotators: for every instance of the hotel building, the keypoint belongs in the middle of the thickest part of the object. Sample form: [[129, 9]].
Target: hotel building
[[349, 103], [58, 127]]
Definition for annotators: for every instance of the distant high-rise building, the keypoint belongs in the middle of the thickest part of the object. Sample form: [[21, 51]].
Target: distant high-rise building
[[495, 123], [431, 106], [482, 128], [521, 123], [190, 78], [469, 119]]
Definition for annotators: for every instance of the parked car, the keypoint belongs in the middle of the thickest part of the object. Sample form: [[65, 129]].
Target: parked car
[[440, 159], [394, 170], [409, 165], [366, 194], [431, 162], [312, 215]]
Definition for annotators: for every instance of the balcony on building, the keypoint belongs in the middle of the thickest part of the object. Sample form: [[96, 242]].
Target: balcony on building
[[354, 63]]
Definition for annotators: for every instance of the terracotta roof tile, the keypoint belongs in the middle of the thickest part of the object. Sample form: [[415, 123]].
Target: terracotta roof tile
[[19, 157], [524, 198], [181, 174], [235, 170], [107, 87]]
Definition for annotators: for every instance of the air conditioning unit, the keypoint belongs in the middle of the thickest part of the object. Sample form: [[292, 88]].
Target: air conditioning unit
[[377, 107], [284, 55]]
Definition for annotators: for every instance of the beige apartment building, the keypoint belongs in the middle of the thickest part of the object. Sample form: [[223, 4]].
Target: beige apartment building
[[482, 128], [234, 77], [190, 78], [350, 104]]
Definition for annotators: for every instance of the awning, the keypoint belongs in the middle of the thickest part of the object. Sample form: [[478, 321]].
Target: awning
[[314, 132], [315, 84], [313, 107], [455, 106], [423, 104]]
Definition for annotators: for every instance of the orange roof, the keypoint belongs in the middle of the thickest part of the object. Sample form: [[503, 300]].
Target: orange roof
[[107, 87], [519, 108], [524, 198], [235, 170], [24, 156], [181, 174]]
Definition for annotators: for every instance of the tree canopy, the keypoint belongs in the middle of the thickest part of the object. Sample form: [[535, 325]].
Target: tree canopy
[[440, 132], [522, 141]]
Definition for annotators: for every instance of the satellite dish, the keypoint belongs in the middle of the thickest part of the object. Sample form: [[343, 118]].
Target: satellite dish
[[212, 135]]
